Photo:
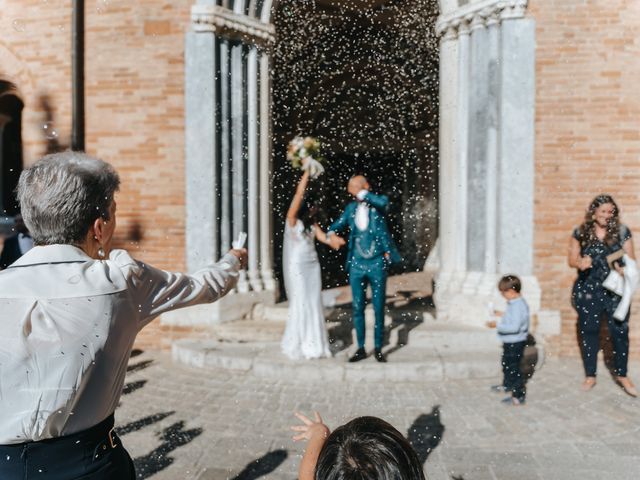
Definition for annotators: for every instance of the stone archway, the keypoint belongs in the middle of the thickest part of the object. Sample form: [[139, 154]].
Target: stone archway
[[486, 129], [363, 79]]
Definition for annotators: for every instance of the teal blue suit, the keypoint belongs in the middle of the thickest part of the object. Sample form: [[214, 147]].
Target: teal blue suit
[[369, 254]]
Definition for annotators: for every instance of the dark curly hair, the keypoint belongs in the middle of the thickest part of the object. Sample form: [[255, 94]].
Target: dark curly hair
[[587, 231], [311, 210], [368, 448]]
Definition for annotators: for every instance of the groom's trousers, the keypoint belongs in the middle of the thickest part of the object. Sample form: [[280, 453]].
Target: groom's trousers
[[364, 272]]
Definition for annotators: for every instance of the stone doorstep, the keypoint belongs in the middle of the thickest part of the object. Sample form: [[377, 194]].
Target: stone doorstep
[[408, 364]]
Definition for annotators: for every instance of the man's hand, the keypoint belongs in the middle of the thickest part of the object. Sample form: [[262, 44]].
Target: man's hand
[[491, 324], [335, 241], [312, 429], [242, 255]]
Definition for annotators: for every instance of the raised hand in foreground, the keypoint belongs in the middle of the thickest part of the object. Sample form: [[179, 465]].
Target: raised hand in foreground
[[316, 432]]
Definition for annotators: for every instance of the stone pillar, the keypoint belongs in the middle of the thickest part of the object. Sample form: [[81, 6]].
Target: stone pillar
[[447, 143], [493, 99], [493, 135], [517, 121], [224, 131], [462, 152], [266, 235], [448, 229], [477, 157], [253, 161], [238, 171], [202, 199]]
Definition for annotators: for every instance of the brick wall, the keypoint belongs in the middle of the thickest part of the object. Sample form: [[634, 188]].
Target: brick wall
[[134, 78], [587, 133], [587, 136]]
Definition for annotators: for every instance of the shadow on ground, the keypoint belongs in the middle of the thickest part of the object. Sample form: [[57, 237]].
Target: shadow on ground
[[406, 310], [262, 466], [171, 437], [425, 433]]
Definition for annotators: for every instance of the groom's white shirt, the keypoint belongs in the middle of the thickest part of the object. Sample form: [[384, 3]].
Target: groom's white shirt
[[362, 211]]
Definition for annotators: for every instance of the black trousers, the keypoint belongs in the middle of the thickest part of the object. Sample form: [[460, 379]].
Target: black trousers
[[513, 378], [589, 318], [93, 454]]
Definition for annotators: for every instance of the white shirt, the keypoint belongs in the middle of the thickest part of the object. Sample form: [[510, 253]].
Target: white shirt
[[362, 211], [25, 242], [67, 326]]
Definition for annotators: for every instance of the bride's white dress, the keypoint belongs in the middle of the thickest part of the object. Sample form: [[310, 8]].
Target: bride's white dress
[[305, 335]]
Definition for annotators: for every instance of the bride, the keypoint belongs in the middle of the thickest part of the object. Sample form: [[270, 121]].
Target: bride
[[305, 335]]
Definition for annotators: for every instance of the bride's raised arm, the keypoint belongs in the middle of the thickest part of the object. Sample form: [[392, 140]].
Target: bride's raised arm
[[294, 208]]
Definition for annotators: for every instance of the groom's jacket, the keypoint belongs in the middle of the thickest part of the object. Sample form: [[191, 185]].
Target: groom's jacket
[[377, 227]]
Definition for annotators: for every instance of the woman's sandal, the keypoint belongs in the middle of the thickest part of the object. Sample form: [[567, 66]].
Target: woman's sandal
[[628, 386], [588, 384]]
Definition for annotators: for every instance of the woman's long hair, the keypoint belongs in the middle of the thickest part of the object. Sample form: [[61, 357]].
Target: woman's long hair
[[311, 209], [368, 448], [587, 231]]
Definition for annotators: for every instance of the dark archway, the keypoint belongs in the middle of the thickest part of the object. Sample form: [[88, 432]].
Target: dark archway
[[363, 78], [10, 146]]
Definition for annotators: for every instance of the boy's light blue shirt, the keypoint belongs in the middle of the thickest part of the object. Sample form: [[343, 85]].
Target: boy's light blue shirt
[[514, 325]]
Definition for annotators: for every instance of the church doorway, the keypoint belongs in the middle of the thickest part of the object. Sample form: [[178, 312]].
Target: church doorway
[[362, 78]]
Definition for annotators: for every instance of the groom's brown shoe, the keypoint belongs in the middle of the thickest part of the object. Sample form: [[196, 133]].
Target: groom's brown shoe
[[360, 354]]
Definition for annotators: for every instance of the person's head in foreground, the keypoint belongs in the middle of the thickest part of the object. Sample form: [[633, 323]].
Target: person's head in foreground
[[510, 286], [68, 198], [368, 448]]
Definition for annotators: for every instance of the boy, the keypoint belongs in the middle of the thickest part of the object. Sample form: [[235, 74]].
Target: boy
[[512, 329]]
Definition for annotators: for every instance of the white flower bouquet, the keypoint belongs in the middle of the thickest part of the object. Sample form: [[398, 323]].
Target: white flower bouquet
[[304, 154]]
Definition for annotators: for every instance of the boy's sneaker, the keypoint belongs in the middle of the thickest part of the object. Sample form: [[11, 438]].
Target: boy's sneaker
[[514, 401], [498, 388]]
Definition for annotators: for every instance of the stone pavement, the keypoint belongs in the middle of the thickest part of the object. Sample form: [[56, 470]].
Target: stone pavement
[[179, 422]]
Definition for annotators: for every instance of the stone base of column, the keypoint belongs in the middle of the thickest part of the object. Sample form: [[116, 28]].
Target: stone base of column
[[234, 306], [268, 280], [255, 281], [469, 297]]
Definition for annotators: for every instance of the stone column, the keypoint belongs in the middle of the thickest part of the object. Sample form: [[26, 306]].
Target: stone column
[[477, 159], [202, 199], [462, 146], [447, 142], [238, 171], [253, 159], [266, 235], [517, 122], [493, 100], [225, 147]]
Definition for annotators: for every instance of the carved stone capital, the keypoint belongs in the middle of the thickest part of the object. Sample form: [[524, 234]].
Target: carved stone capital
[[226, 23], [479, 15]]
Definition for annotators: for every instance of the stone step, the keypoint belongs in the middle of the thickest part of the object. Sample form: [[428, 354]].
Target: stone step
[[265, 360]]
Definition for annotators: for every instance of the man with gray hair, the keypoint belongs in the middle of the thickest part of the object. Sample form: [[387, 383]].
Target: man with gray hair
[[71, 309]]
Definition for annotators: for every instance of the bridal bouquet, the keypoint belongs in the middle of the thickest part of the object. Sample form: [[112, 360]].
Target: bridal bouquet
[[304, 154]]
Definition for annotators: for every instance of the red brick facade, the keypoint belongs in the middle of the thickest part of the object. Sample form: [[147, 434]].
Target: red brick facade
[[587, 117], [587, 135]]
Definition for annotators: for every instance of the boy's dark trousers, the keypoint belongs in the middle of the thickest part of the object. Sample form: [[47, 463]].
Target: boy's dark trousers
[[513, 378]]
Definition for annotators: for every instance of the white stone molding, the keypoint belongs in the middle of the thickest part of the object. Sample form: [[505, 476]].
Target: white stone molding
[[226, 23], [480, 14], [264, 135], [253, 196]]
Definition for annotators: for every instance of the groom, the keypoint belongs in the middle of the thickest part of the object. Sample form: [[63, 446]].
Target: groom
[[370, 251]]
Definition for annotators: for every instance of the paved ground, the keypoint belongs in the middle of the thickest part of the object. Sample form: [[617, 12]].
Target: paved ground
[[185, 423]]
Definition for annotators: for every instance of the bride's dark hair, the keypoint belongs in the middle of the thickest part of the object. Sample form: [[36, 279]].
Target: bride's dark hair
[[312, 207]]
